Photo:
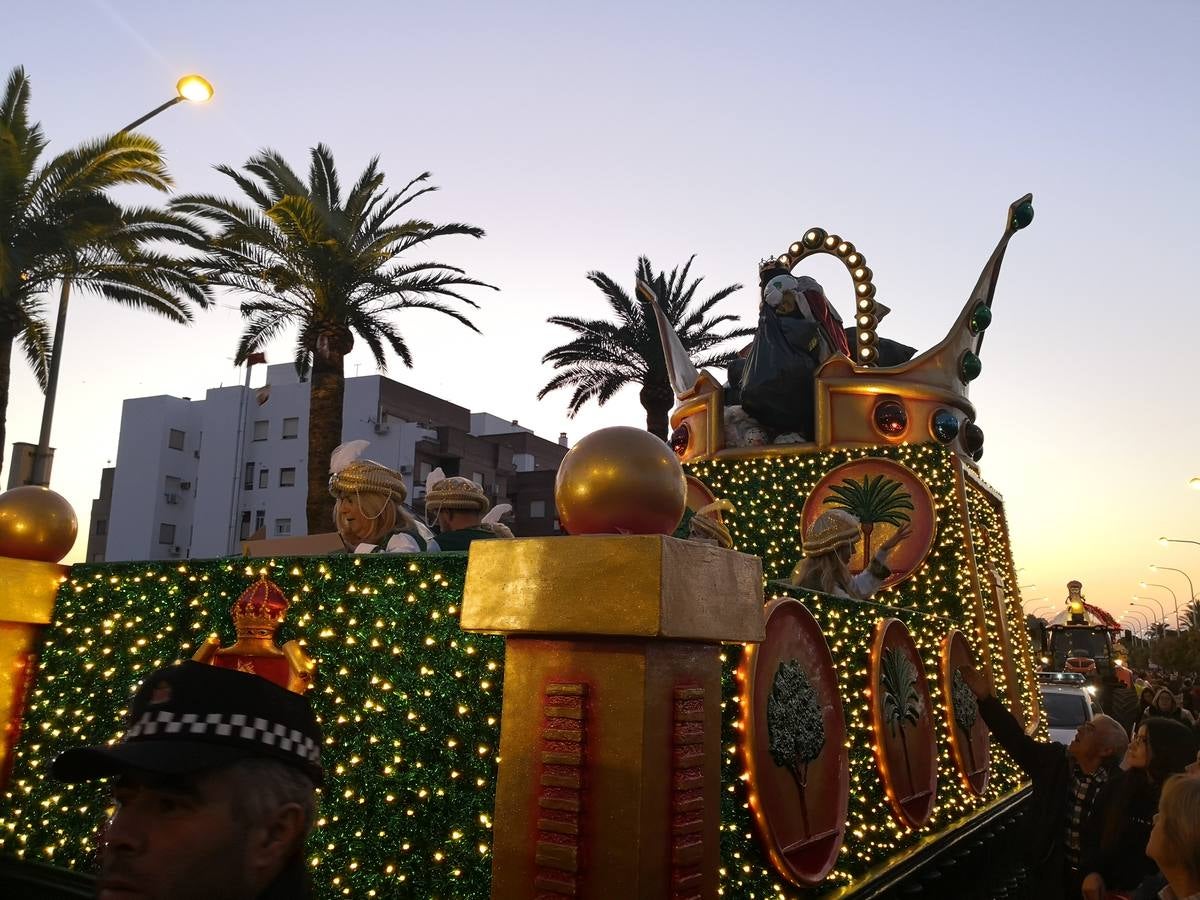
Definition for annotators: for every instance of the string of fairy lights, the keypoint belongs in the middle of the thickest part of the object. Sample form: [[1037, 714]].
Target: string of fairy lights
[[768, 494], [410, 704]]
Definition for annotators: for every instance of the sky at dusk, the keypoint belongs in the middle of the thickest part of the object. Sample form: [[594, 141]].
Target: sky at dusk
[[580, 138]]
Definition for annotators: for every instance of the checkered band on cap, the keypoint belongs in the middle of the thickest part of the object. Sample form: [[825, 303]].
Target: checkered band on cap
[[225, 725], [366, 477]]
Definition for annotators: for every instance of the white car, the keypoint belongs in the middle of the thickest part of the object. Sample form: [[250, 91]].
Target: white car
[[1068, 703]]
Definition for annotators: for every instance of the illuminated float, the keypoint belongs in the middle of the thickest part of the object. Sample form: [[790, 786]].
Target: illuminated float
[[676, 718]]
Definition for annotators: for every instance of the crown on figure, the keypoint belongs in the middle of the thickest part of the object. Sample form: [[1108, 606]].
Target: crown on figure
[[261, 607], [770, 267]]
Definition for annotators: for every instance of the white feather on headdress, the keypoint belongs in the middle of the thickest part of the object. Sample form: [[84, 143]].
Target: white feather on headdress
[[346, 453], [497, 512], [433, 478]]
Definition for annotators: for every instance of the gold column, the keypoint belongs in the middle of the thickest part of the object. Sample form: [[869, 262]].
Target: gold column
[[27, 590], [610, 754]]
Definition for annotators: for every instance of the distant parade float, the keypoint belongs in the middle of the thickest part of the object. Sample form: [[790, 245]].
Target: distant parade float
[[738, 674]]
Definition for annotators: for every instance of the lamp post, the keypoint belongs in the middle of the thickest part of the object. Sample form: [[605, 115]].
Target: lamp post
[[1161, 609], [1166, 540], [1191, 589], [1149, 609], [193, 89], [1139, 618], [1194, 482]]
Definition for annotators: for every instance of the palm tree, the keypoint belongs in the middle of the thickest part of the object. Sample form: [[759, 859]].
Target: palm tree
[[605, 355], [901, 701], [875, 500], [330, 266], [57, 225], [795, 727]]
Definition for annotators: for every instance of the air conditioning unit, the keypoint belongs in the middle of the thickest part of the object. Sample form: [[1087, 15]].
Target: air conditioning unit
[[175, 551], [185, 485], [172, 499], [406, 470], [381, 428]]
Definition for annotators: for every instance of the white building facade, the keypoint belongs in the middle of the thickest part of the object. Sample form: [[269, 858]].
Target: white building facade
[[194, 478]]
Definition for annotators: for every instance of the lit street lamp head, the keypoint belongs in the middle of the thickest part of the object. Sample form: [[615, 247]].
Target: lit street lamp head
[[194, 89], [1194, 482]]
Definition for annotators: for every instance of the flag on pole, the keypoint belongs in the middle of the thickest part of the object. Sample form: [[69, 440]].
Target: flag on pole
[[256, 358]]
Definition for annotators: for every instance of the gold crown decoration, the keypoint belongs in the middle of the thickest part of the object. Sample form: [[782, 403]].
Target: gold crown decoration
[[261, 607], [456, 492], [367, 477], [832, 529]]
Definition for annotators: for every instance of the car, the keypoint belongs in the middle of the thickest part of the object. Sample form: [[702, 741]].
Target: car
[[1068, 702]]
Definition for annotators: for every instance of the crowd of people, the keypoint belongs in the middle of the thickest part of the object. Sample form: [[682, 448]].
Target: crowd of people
[[1116, 813]]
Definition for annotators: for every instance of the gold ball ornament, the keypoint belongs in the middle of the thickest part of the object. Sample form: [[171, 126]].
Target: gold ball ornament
[[36, 523], [620, 481]]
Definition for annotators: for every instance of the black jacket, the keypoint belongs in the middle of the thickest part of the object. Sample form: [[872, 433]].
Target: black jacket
[[1049, 768], [1120, 856]]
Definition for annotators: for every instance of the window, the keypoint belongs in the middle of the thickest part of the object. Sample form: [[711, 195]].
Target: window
[[287, 477], [260, 429], [423, 471], [244, 531], [175, 439], [101, 527], [166, 533], [291, 429], [283, 526], [263, 474], [248, 484], [172, 483], [477, 477], [260, 519], [537, 509]]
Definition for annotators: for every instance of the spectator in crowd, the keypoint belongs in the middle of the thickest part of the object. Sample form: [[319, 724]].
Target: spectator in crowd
[[213, 789], [1066, 783], [1167, 706], [1114, 840], [1175, 839], [1145, 705]]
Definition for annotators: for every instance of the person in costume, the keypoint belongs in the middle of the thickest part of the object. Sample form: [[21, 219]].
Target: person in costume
[[706, 527], [369, 514], [213, 789], [828, 548], [459, 509]]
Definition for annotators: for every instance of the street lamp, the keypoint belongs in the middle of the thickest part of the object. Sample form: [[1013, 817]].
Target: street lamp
[[1194, 482], [1138, 617], [1149, 609], [1166, 540], [190, 88], [1191, 590], [1162, 609]]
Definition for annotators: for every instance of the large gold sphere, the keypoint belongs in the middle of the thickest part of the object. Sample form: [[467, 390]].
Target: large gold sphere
[[36, 523], [620, 481]]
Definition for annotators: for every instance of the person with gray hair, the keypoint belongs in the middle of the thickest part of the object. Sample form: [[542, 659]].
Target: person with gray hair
[[1066, 782], [213, 786]]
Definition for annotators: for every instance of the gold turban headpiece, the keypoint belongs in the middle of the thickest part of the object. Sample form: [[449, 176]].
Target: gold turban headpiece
[[350, 474], [707, 521], [832, 529], [456, 492]]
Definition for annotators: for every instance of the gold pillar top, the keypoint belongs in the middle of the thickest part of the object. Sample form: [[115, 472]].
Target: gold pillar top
[[614, 585]]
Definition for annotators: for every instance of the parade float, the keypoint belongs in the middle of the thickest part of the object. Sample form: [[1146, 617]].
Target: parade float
[[738, 675]]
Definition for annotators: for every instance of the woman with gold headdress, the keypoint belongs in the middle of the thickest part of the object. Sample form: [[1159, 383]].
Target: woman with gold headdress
[[829, 547], [459, 508], [369, 515]]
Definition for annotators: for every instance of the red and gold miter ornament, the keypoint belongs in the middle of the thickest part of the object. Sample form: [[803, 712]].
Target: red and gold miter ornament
[[257, 615]]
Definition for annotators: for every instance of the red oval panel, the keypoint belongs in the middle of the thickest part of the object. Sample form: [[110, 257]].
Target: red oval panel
[[968, 733], [902, 718], [794, 744]]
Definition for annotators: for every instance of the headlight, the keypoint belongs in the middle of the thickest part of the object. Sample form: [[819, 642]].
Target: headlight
[[1091, 689]]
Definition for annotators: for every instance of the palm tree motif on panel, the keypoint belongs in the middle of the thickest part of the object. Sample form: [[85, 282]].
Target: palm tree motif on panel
[[966, 711], [872, 501], [901, 700], [795, 726]]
